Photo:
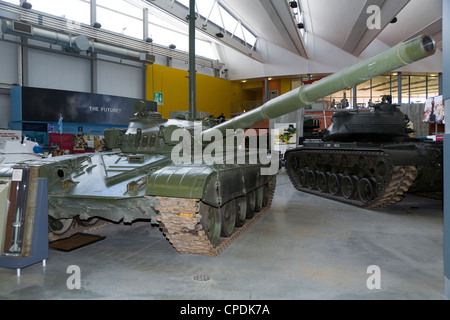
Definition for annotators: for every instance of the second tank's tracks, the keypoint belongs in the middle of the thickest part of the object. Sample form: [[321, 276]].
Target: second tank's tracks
[[180, 221], [388, 183]]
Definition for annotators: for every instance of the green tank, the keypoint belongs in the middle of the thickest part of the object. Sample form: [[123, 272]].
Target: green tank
[[200, 186]]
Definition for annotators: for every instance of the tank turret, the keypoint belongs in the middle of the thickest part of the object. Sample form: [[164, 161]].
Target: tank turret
[[180, 175], [385, 122], [148, 132]]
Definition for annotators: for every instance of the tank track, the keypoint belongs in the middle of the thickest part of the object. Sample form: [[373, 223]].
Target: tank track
[[180, 222], [391, 186]]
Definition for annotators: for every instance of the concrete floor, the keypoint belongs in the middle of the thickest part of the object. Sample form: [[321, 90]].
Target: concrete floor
[[304, 248]]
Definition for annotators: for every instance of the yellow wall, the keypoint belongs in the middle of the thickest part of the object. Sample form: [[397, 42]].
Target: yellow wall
[[286, 85], [214, 95]]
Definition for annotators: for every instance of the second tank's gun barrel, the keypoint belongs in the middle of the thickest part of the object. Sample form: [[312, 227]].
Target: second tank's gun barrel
[[402, 54]]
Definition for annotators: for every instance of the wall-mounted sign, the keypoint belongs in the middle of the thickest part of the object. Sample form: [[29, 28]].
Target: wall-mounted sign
[[10, 135]]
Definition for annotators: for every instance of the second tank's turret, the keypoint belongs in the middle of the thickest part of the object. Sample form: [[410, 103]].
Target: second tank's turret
[[384, 123]]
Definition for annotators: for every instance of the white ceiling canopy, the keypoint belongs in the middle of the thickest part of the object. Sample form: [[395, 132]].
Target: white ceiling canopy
[[342, 23]]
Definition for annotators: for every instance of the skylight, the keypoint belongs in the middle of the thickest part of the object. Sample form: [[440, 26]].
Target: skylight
[[213, 11]]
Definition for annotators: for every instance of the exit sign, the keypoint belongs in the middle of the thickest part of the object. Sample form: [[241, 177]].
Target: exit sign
[[158, 97]]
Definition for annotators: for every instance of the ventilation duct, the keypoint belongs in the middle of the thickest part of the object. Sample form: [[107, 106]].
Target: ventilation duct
[[77, 44]]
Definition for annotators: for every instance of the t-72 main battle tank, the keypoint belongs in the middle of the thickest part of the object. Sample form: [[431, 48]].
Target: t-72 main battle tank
[[202, 192]]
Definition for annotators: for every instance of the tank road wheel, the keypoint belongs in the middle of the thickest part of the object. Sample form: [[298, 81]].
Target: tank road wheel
[[59, 226], [362, 162], [302, 178], [381, 170], [379, 189], [345, 161], [228, 213], [334, 184], [251, 203], [241, 215], [311, 179], [87, 223], [322, 181], [259, 199], [211, 222], [366, 190], [349, 187]]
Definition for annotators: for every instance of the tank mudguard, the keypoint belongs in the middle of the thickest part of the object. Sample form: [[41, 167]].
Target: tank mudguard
[[214, 185]]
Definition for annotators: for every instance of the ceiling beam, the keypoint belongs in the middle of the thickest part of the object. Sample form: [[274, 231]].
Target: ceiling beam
[[434, 29], [283, 19], [361, 36]]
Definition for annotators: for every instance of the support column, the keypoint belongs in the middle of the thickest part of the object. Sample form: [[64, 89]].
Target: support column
[[266, 89], [22, 67], [446, 96], [399, 87], [94, 66], [192, 71], [409, 89], [145, 22], [145, 33]]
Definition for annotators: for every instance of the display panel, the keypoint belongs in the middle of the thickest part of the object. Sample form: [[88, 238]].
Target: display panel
[[46, 105]]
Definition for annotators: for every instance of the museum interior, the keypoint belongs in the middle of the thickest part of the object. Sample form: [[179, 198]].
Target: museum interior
[[224, 150]]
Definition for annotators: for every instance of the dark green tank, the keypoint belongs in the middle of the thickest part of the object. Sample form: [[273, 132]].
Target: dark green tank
[[368, 159], [175, 174]]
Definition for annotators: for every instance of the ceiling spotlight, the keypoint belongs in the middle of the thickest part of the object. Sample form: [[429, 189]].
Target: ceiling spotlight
[[172, 46], [293, 4], [219, 35], [148, 39], [96, 24], [394, 20], [25, 4]]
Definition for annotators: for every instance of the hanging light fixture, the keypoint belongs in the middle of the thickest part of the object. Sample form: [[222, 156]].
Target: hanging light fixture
[[96, 24], [26, 5]]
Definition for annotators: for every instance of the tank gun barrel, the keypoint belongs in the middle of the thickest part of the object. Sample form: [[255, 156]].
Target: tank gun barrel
[[402, 54]]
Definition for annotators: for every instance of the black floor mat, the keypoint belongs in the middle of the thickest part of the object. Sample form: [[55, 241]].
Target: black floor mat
[[75, 241]]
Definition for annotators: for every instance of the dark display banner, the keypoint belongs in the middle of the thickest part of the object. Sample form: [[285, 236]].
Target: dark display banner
[[46, 105]]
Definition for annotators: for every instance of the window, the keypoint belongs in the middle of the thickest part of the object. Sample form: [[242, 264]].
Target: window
[[76, 10], [212, 10], [120, 17]]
